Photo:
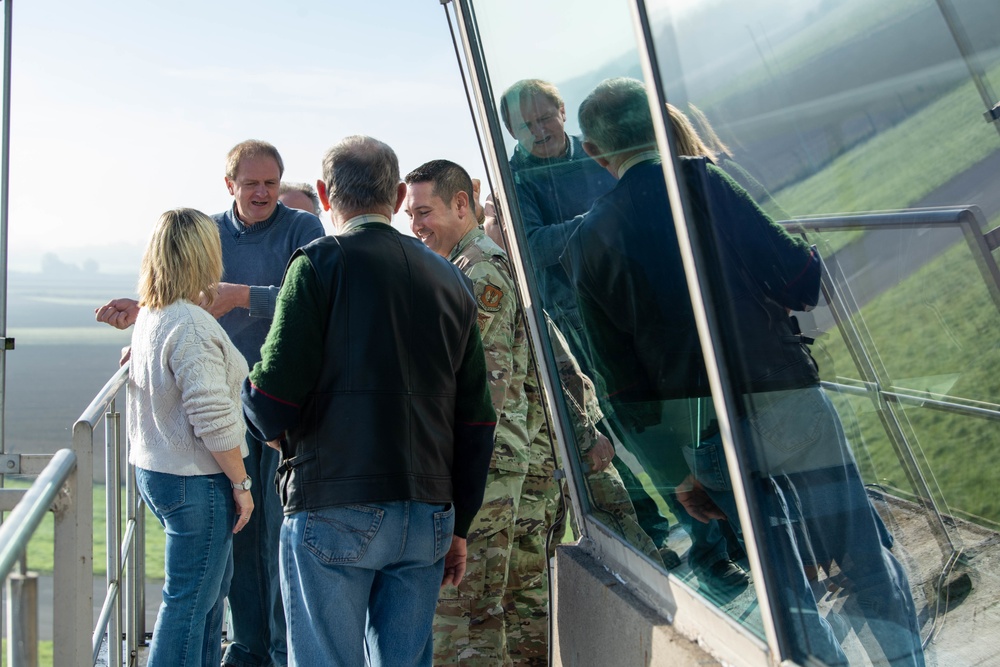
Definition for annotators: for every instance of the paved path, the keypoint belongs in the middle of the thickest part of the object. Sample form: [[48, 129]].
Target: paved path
[[153, 589]]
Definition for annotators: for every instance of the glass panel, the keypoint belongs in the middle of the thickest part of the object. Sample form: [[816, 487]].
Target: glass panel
[[877, 487], [607, 396]]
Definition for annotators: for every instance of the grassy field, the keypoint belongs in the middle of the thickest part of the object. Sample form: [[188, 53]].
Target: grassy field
[[902, 165], [928, 333], [44, 654], [40, 548]]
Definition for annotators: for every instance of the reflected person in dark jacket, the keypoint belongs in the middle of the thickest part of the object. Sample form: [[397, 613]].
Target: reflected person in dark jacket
[[625, 262]]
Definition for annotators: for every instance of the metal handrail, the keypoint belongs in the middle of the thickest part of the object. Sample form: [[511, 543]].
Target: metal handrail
[[28, 514]]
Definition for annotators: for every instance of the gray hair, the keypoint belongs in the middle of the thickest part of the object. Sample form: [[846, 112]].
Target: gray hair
[[361, 174], [302, 188], [615, 116]]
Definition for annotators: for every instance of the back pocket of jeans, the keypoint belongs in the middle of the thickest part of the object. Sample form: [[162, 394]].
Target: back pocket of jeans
[[163, 491], [341, 534], [444, 528]]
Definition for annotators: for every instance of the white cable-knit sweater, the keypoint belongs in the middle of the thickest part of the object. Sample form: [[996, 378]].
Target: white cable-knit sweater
[[183, 391]]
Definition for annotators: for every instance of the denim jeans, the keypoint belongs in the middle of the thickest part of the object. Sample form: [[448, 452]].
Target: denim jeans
[[257, 634], [360, 582], [815, 510], [198, 515]]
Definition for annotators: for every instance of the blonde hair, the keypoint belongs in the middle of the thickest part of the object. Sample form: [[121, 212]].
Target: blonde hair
[[686, 137], [183, 258]]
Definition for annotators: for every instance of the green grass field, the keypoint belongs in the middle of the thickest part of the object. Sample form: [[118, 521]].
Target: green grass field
[[44, 654], [40, 548], [928, 333]]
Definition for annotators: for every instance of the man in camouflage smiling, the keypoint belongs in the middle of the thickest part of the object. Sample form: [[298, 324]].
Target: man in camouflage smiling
[[469, 625]]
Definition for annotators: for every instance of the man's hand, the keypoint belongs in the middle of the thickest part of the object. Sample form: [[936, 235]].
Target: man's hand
[[477, 208], [494, 223], [227, 297], [601, 453], [119, 313], [454, 562], [694, 498]]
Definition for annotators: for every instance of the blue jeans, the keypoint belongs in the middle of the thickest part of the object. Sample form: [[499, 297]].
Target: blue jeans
[[257, 634], [815, 510], [360, 582], [198, 514]]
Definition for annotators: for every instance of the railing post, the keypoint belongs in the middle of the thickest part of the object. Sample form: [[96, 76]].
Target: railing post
[[73, 571], [113, 535], [22, 619]]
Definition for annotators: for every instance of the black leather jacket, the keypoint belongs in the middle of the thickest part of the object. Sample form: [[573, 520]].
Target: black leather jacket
[[396, 413]]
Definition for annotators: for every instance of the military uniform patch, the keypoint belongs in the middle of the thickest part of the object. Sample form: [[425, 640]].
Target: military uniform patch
[[489, 297]]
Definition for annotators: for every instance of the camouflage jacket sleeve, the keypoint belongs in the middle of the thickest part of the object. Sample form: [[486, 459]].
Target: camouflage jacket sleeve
[[578, 389], [506, 350]]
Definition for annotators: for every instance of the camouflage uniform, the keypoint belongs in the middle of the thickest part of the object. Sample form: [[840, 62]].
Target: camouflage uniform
[[608, 497], [468, 625], [527, 597], [526, 616]]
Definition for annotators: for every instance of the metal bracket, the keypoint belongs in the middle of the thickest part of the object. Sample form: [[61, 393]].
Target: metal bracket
[[8, 344], [993, 115], [10, 464]]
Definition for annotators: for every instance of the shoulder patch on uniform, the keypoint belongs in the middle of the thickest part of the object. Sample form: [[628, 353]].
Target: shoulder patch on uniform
[[489, 296]]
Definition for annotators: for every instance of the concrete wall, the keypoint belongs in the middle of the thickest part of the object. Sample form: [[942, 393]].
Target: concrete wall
[[599, 623]]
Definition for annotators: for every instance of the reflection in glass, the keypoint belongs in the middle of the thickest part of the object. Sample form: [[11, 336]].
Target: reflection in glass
[[800, 110], [839, 109]]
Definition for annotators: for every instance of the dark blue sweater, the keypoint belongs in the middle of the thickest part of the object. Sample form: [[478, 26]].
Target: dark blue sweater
[[551, 193], [256, 256]]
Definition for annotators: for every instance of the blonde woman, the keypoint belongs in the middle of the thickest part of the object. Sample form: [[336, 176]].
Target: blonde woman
[[186, 431]]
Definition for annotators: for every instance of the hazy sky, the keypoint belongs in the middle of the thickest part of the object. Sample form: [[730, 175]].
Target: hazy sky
[[123, 109]]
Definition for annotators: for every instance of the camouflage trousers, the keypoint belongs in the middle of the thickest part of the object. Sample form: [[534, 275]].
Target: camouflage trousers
[[611, 504], [469, 622], [526, 602]]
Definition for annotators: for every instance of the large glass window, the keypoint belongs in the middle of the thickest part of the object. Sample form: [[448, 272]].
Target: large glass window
[[837, 178]]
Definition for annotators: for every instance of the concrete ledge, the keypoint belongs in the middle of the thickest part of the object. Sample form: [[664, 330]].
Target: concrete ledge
[[599, 622]]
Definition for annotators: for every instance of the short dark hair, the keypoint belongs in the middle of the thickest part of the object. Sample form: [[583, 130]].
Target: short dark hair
[[361, 173], [448, 178]]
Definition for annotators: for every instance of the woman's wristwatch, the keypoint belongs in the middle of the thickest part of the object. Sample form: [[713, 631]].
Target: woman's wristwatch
[[245, 484]]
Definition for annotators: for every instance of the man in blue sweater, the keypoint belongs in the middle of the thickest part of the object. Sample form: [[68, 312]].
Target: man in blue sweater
[[259, 235]]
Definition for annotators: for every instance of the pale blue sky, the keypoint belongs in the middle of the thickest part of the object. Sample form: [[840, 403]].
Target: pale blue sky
[[123, 109]]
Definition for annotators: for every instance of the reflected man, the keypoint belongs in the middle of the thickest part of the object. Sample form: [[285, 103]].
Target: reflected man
[[625, 260]]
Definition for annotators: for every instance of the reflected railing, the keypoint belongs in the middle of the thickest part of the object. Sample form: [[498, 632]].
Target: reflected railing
[[875, 382]]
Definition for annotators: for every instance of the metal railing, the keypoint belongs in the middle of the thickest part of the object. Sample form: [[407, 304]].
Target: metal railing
[[122, 617], [20, 526], [64, 485], [874, 379]]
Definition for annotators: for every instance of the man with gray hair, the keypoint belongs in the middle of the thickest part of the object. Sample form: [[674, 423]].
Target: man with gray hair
[[625, 261], [301, 196], [372, 383]]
